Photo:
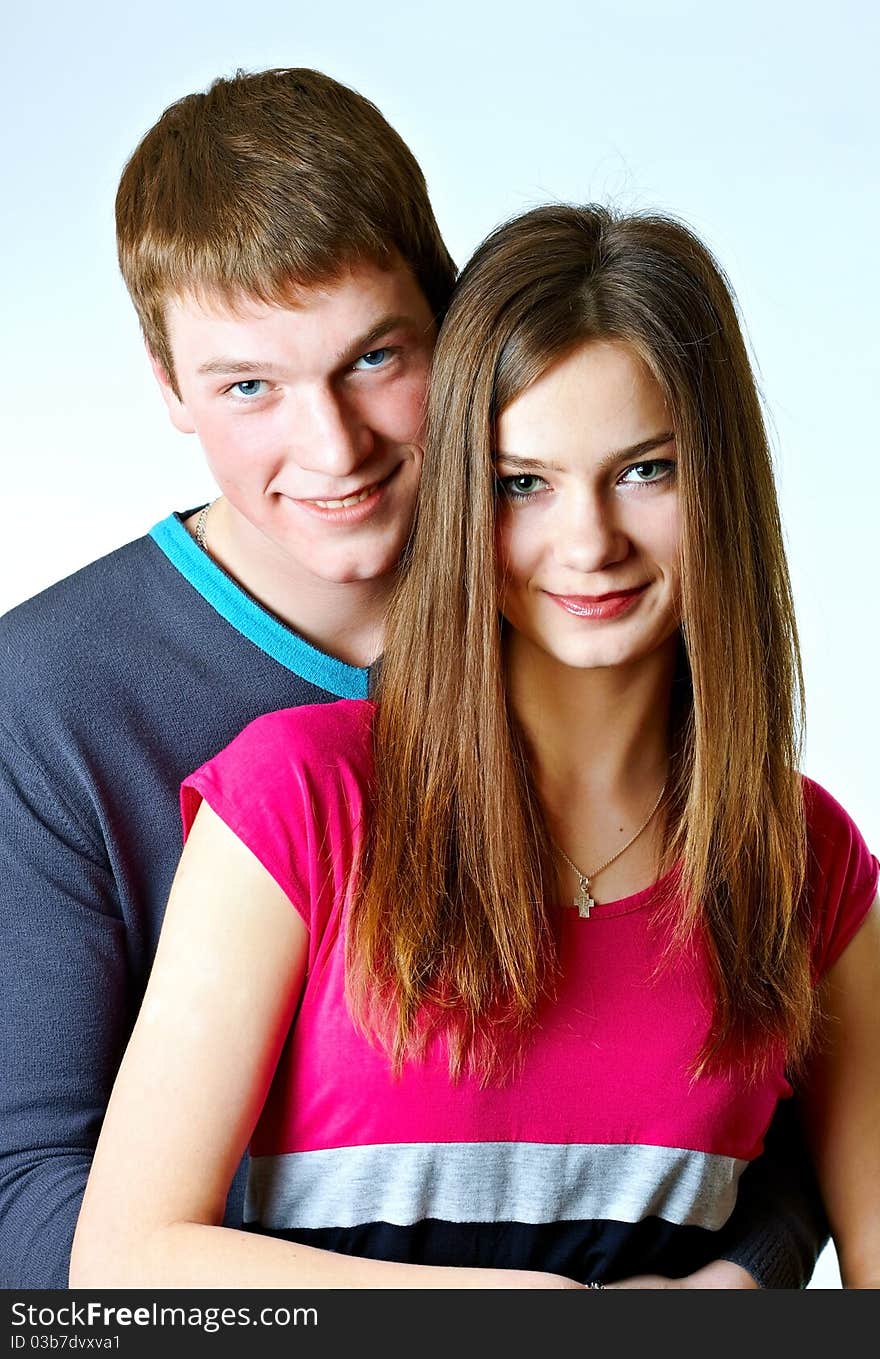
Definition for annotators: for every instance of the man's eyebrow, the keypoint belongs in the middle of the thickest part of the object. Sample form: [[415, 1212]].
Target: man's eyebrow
[[364, 343], [229, 367], [619, 455], [226, 366]]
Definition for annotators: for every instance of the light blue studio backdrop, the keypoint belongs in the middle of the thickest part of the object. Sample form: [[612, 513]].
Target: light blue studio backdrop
[[757, 123]]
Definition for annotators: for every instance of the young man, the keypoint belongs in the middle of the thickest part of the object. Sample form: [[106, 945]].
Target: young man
[[281, 252]]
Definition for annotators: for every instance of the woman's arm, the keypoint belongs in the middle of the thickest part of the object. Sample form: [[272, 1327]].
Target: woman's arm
[[841, 1105], [227, 977]]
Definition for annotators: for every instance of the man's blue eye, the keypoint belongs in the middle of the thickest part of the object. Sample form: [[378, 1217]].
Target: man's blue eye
[[374, 358], [248, 387]]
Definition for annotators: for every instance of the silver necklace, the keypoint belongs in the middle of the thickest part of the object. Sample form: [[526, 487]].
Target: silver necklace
[[583, 898], [201, 521]]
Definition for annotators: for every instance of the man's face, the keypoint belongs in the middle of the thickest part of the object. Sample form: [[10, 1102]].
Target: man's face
[[311, 415]]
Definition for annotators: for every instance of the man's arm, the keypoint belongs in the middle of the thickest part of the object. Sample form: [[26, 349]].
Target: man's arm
[[64, 982], [778, 1227], [774, 1235]]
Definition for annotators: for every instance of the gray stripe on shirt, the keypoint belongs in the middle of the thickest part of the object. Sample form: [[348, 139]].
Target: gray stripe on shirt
[[529, 1182]]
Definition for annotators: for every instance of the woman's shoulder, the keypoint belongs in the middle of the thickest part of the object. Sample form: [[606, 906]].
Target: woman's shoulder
[[842, 873], [304, 736], [295, 755], [294, 787], [830, 828], [314, 729]]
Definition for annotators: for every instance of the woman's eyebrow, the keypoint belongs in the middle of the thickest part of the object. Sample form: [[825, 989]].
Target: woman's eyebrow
[[640, 449], [633, 451], [511, 460]]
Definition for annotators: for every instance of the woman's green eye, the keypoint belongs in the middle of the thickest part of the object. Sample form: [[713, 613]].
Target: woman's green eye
[[518, 488], [648, 473]]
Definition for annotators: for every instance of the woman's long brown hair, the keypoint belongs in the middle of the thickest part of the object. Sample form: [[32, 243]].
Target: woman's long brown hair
[[448, 926]]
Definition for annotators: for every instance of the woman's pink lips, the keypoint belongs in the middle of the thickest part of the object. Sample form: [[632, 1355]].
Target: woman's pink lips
[[599, 606]]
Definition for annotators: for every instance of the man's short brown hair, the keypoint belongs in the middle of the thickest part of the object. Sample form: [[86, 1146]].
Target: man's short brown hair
[[266, 182]]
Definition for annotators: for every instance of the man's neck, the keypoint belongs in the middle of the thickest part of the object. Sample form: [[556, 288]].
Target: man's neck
[[345, 619]]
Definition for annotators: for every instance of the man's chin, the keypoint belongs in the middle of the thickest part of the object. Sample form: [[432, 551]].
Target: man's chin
[[355, 573]]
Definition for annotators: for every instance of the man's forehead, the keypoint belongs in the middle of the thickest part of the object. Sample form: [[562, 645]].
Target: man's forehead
[[356, 282]]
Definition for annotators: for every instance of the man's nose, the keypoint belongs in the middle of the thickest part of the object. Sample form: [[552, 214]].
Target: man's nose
[[588, 538], [328, 436]]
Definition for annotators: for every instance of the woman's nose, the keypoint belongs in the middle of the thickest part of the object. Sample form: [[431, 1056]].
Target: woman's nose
[[588, 537]]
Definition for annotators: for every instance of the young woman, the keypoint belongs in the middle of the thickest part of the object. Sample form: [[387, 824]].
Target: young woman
[[510, 971]]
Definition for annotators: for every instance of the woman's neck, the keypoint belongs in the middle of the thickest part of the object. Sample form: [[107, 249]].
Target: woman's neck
[[605, 730], [599, 746]]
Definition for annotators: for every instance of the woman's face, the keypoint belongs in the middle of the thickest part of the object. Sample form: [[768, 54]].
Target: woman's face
[[588, 521]]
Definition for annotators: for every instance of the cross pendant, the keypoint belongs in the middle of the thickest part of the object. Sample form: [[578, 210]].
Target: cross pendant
[[583, 900]]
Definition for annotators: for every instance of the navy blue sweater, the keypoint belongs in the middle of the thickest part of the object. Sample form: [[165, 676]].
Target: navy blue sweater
[[116, 683]]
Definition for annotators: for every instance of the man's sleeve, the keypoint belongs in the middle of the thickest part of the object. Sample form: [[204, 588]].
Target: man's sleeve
[[64, 1024], [778, 1226]]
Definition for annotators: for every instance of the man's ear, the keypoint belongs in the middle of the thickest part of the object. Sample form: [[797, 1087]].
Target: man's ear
[[180, 416]]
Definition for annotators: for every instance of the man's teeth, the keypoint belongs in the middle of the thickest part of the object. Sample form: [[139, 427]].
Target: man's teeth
[[349, 500]]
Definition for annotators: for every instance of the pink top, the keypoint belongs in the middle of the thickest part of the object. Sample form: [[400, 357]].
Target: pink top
[[603, 1098]]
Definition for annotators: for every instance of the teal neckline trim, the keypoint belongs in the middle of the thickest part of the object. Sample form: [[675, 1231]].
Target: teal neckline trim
[[251, 619]]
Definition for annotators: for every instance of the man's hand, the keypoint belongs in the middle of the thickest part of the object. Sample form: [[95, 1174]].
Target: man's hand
[[718, 1274]]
